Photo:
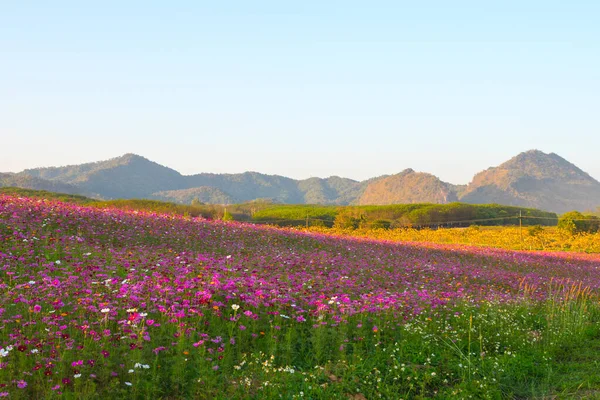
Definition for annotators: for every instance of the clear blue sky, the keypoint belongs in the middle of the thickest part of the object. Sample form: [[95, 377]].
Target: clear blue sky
[[304, 88]]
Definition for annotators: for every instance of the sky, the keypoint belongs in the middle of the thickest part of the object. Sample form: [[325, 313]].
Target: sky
[[305, 88]]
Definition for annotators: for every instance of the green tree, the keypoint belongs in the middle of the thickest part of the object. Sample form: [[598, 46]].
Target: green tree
[[346, 219], [575, 222]]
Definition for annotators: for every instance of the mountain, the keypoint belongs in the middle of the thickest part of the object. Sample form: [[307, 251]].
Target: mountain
[[332, 190], [128, 176], [32, 182], [408, 187], [249, 186], [204, 194], [537, 180], [531, 179]]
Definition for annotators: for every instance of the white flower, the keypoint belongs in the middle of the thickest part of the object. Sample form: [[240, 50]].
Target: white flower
[[146, 366], [87, 254], [57, 262], [235, 307], [77, 376], [128, 383], [137, 365], [33, 351], [131, 309], [105, 310], [131, 371], [31, 282]]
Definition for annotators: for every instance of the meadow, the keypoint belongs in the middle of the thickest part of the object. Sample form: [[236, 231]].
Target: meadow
[[530, 238], [100, 302]]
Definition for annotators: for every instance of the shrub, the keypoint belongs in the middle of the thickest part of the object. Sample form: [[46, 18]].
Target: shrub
[[381, 224], [575, 222]]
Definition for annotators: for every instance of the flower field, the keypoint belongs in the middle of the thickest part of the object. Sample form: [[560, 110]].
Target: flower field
[[127, 304], [533, 238]]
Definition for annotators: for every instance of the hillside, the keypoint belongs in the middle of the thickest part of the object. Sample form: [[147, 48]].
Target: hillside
[[204, 194], [407, 187], [332, 190], [128, 176], [32, 182], [538, 180]]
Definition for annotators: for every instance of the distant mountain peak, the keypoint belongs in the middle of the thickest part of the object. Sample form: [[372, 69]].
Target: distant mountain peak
[[131, 156], [539, 165], [408, 187], [535, 179]]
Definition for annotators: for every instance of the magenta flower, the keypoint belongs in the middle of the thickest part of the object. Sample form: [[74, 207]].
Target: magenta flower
[[21, 384], [37, 308]]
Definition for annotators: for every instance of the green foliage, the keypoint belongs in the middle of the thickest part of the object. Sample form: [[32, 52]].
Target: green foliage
[[575, 222], [535, 230], [381, 224], [296, 215], [227, 216], [406, 215], [155, 206], [347, 219], [43, 194]]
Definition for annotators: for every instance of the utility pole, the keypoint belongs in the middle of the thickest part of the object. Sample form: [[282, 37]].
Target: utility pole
[[521, 227]]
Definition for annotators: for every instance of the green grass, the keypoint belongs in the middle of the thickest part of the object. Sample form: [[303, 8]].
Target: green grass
[[43, 194], [296, 214]]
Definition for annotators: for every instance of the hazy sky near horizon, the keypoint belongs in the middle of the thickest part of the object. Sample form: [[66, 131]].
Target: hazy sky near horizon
[[312, 88]]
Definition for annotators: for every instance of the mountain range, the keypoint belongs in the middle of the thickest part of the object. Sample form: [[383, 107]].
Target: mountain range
[[531, 179]]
